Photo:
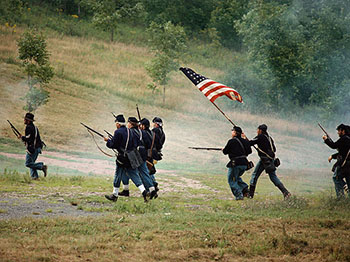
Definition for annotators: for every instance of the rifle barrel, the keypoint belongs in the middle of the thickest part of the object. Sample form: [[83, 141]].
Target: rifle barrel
[[324, 131], [92, 130], [205, 148], [109, 134], [138, 112], [17, 133]]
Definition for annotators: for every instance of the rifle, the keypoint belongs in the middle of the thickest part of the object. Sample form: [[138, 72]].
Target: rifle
[[324, 131], [206, 148], [138, 112], [109, 134], [92, 130], [15, 131], [114, 115]]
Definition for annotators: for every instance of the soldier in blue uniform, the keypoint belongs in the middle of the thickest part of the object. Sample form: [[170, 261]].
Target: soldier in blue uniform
[[123, 140], [238, 149], [342, 166], [144, 144], [266, 151], [34, 145], [158, 145]]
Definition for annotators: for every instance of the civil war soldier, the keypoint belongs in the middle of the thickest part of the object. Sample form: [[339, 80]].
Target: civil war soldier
[[145, 143], [34, 145], [266, 151], [158, 145], [342, 167], [238, 149], [123, 140]]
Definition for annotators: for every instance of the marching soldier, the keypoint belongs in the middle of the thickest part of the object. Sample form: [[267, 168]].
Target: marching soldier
[[342, 167], [238, 149], [123, 140], [266, 151], [145, 144], [34, 145], [158, 145]]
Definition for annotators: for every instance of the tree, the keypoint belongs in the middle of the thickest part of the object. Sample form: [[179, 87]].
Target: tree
[[167, 41], [223, 19], [11, 11], [299, 49], [35, 61], [107, 14], [193, 15]]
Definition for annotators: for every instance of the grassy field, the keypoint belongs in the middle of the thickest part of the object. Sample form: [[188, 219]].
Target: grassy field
[[184, 224], [195, 217]]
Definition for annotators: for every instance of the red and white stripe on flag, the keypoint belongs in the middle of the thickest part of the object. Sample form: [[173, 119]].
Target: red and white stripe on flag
[[212, 90]]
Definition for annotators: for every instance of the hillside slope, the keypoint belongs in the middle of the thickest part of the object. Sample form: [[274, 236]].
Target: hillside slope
[[94, 78]]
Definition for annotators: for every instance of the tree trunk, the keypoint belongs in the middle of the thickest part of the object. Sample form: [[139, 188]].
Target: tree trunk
[[79, 9], [163, 95], [112, 35]]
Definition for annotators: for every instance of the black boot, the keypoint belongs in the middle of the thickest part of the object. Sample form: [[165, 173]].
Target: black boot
[[251, 191], [112, 197], [154, 194], [125, 193], [245, 192], [156, 186], [144, 194], [284, 191]]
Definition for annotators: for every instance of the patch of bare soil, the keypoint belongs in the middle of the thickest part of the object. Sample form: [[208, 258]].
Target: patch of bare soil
[[17, 207]]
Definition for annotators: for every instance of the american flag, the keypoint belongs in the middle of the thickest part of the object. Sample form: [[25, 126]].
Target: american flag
[[210, 88]]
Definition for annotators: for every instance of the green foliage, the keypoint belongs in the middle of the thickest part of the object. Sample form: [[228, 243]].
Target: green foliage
[[107, 14], [35, 60], [168, 42], [223, 19], [192, 15], [299, 49], [35, 98], [11, 11]]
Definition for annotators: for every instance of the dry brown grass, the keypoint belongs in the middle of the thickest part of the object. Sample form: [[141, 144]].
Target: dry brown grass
[[95, 78]]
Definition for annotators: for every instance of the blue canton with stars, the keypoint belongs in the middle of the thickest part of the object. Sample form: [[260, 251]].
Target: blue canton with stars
[[194, 77]]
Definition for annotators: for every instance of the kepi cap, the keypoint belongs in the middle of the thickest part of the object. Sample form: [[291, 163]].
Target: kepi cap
[[120, 119]]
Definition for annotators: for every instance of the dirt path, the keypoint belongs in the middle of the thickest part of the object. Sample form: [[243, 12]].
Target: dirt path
[[84, 165]]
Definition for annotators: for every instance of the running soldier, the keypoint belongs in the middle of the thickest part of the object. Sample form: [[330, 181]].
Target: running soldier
[[123, 140], [342, 167], [238, 149], [34, 145], [158, 145], [266, 151], [145, 143]]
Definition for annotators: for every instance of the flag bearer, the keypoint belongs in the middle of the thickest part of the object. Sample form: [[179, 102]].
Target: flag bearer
[[238, 149]]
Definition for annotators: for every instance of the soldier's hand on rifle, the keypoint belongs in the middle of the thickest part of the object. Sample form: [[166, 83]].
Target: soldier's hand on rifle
[[324, 137], [19, 136], [330, 159], [105, 138], [244, 136]]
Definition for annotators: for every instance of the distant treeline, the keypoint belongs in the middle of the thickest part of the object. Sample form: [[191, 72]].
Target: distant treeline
[[289, 54]]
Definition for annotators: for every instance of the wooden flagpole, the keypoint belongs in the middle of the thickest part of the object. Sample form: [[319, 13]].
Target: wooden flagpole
[[223, 113]]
